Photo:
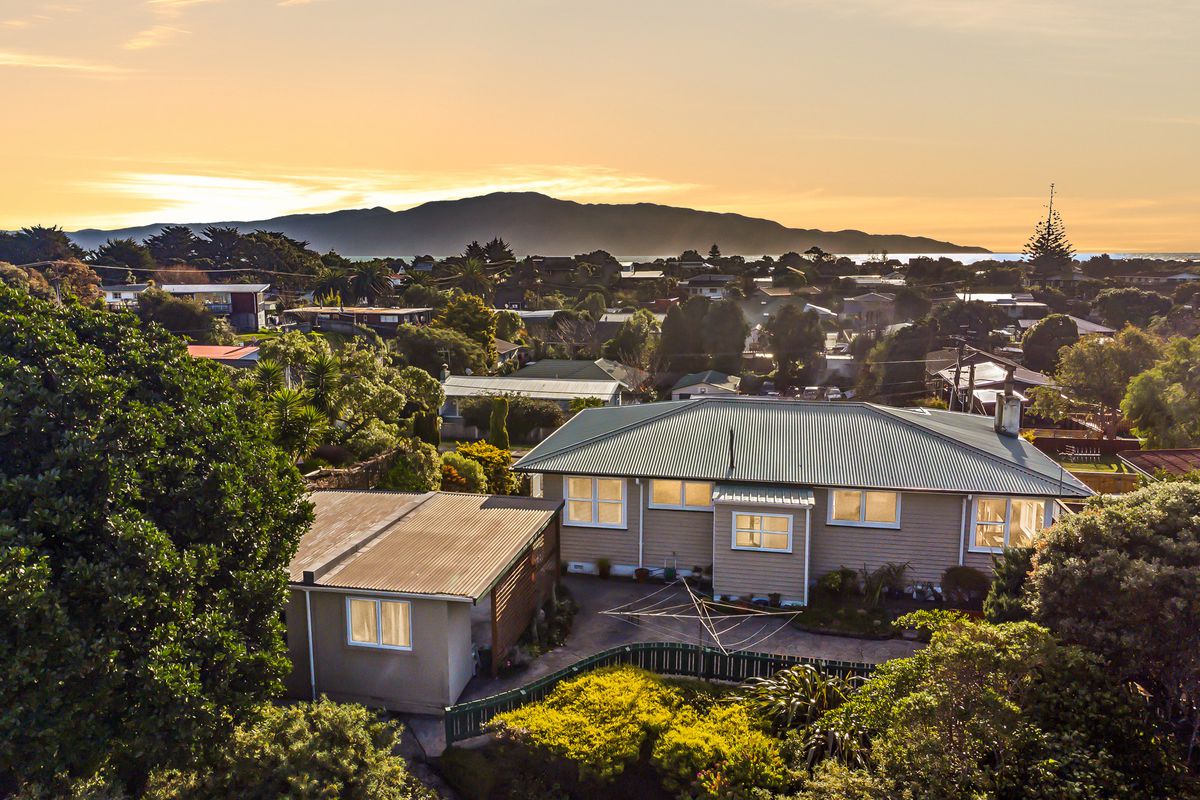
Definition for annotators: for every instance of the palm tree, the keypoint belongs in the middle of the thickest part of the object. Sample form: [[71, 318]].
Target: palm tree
[[297, 426], [472, 277], [370, 280], [268, 377], [323, 379], [331, 282]]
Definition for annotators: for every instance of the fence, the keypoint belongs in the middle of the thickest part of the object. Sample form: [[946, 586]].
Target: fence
[[665, 658]]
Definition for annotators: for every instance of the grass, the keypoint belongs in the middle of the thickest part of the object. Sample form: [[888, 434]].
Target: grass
[[1103, 464]]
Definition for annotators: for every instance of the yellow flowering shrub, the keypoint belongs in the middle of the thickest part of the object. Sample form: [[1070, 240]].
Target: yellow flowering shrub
[[722, 754]]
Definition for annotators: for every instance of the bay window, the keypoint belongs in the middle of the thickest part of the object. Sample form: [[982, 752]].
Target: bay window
[[685, 495], [771, 532], [380, 623], [866, 508], [594, 502], [1001, 522]]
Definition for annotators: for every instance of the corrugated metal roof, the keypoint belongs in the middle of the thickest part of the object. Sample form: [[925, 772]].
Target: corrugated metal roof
[[438, 544], [211, 288], [810, 444], [708, 376], [1178, 461], [545, 388], [602, 369], [763, 494]]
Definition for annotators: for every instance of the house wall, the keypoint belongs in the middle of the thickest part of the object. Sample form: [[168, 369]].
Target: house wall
[[421, 681], [700, 390], [928, 538], [758, 573], [587, 545]]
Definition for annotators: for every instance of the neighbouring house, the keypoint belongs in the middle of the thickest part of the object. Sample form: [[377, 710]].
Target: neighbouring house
[[611, 322], [980, 376], [709, 382], [1151, 463], [507, 352], [1017, 305], [632, 278], [1083, 327], [869, 310], [396, 600], [241, 303], [125, 296], [712, 286], [347, 319], [1157, 280], [556, 390], [891, 281], [602, 369], [243, 356], [769, 495]]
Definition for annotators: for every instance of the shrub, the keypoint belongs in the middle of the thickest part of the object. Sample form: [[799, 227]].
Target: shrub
[[498, 423], [417, 468], [718, 755], [461, 474], [1004, 601], [599, 721], [964, 586], [841, 582], [794, 697], [886, 577], [495, 463]]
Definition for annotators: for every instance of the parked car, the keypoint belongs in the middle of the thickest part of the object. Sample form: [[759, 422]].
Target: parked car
[[811, 393], [833, 393]]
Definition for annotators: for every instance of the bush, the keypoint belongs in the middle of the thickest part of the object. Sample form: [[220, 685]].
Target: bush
[[964, 586], [794, 697], [719, 755], [599, 721], [495, 463], [461, 474], [842, 582], [1004, 601], [498, 423], [417, 469]]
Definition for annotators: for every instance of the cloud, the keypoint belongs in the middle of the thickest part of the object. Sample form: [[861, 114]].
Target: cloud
[[155, 36], [199, 197], [63, 63]]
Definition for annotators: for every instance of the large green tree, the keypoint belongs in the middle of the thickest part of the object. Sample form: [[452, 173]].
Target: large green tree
[[1130, 306], [1045, 338], [725, 330], [1163, 403], [118, 259], [174, 244], [796, 339], [37, 243], [472, 317], [431, 346], [894, 369], [682, 344], [146, 524], [633, 343], [182, 316], [1123, 580], [1048, 250]]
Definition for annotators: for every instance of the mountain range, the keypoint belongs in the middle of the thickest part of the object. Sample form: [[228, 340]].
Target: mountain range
[[534, 223]]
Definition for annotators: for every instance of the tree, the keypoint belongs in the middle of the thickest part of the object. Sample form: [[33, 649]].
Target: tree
[[999, 711], [796, 338], [462, 474], [1045, 339], [1123, 579], [25, 280], [894, 368], [681, 345], [714, 252], [725, 331], [182, 316], [578, 404], [474, 250], [144, 542], [633, 342], [417, 468], [472, 277], [294, 351], [116, 259], [498, 425], [221, 247], [369, 281], [38, 243], [173, 244], [911, 303], [1130, 306], [1005, 598], [305, 751], [1163, 403], [471, 316], [1093, 374], [497, 251], [594, 304], [431, 346], [1048, 250], [509, 326], [297, 426], [495, 463]]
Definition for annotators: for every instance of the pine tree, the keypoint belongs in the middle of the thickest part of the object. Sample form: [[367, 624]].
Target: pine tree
[[1049, 251], [714, 253]]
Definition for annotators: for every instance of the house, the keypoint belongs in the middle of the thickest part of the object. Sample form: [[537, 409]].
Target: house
[[346, 319], [1175, 462], [875, 282], [712, 286], [1157, 280], [556, 390], [709, 382], [611, 322], [979, 376], [870, 310], [772, 494], [1083, 327], [395, 599], [125, 296], [241, 303], [1017, 305], [243, 356], [602, 369], [507, 352], [632, 278]]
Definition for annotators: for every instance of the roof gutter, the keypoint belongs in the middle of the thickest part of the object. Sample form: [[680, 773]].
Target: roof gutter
[[449, 598]]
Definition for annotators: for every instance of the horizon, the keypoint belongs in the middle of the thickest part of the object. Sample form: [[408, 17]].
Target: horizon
[[915, 117]]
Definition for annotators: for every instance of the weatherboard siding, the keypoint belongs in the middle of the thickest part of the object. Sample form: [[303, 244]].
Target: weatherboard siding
[[681, 539], [758, 573], [928, 538], [587, 545]]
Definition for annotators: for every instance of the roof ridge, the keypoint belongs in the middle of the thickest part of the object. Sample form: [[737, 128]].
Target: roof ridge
[[674, 408], [894, 413]]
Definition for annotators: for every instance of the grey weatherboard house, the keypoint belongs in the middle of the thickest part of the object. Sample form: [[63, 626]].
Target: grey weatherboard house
[[773, 494]]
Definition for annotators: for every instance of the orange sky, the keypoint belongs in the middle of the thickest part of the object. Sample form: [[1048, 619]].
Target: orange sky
[[945, 118]]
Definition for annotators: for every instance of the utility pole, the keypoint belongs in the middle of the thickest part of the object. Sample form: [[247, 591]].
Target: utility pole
[[971, 390], [957, 374]]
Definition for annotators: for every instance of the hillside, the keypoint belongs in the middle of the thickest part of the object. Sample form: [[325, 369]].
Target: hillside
[[535, 223]]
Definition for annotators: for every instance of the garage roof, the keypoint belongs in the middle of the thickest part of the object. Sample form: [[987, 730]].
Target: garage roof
[[438, 544]]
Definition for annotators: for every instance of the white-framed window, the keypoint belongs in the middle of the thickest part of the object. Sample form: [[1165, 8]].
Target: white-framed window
[[389, 318], [594, 502], [375, 622], [999, 522], [769, 532], [864, 508], [683, 495]]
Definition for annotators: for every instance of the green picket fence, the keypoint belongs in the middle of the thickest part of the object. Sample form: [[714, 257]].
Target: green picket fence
[[466, 720]]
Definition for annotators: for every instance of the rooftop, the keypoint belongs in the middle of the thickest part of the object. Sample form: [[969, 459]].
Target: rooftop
[[602, 369], [214, 288], [800, 443], [1179, 461], [543, 388], [441, 544], [355, 310], [223, 352], [708, 376]]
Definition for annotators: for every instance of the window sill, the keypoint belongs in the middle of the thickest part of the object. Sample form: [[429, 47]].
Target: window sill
[[621, 527], [893, 526], [701, 509], [761, 550], [387, 647]]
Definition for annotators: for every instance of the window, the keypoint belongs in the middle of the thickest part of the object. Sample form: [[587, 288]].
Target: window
[[865, 508], [1003, 522], [762, 532], [693, 495], [388, 318], [595, 502], [379, 623]]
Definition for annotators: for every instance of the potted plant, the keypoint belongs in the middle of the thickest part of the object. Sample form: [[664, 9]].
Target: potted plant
[[774, 599], [603, 567], [641, 574]]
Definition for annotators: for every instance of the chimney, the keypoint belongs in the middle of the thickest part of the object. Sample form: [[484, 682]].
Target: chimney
[[445, 372], [1008, 414]]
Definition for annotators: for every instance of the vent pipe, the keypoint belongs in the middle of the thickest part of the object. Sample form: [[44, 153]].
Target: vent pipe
[[732, 464]]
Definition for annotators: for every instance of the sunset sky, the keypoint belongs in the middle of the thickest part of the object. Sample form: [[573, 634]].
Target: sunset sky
[[944, 118]]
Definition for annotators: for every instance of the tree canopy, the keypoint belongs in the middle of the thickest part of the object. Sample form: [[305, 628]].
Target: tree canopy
[[1045, 338], [796, 339], [1163, 403], [1048, 250], [146, 523], [1130, 306]]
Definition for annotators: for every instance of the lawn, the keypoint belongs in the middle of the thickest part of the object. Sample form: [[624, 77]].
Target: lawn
[[1104, 464]]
